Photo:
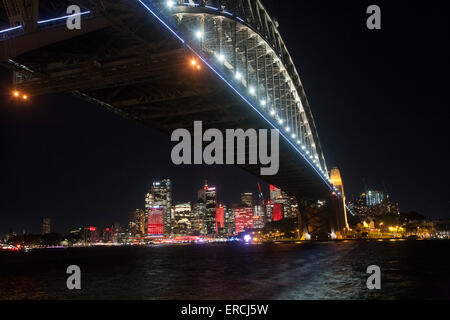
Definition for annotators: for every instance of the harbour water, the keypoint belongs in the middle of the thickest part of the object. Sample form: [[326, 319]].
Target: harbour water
[[316, 270]]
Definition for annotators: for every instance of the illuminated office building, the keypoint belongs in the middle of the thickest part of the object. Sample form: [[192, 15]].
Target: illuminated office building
[[160, 195], [155, 225], [229, 221], [243, 219], [138, 223], [197, 216], [220, 219], [46, 226], [108, 235], [374, 198], [287, 202], [277, 211], [247, 199], [269, 212], [90, 235], [258, 217], [182, 219]]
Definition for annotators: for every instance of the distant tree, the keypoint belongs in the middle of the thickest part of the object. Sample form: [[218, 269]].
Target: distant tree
[[73, 238], [52, 239], [412, 216]]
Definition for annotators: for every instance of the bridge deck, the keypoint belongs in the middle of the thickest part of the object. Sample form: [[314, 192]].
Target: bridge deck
[[138, 70]]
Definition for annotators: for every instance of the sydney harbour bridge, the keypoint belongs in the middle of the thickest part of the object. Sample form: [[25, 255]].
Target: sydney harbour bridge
[[167, 64]]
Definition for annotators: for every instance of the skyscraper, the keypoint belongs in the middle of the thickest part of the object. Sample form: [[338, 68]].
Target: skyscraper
[[269, 212], [160, 195], [229, 221], [138, 224], [209, 197], [247, 199], [46, 226], [374, 198], [220, 219], [277, 211], [155, 226], [287, 202], [258, 217], [243, 219], [182, 219]]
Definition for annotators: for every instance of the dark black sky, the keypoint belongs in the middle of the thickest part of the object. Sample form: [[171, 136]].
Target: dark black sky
[[379, 98]]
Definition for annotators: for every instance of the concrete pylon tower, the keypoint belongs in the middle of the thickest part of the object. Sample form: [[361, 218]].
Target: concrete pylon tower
[[336, 180]]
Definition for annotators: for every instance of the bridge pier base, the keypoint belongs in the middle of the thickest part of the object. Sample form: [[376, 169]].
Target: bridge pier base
[[321, 219]]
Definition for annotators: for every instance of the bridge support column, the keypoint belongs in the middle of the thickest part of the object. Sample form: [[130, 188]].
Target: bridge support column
[[321, 219]]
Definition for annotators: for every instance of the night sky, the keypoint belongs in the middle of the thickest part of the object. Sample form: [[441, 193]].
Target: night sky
[[380, 101]]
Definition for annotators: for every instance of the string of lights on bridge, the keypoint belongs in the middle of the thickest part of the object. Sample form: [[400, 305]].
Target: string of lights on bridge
[[289, 137]]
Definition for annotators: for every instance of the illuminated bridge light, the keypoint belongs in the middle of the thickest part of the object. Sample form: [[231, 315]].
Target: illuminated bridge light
[[221, 57], [199, 34], [232, 85], [47, 21], [10, 29], [252, 91], [272, 112], [293, 136], [170, 4], [263, 102], [288, 129], [64, 17], [212, 8]]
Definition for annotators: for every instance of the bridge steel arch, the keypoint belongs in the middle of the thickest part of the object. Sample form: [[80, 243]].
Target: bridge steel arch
[[253, 46], [237, 39]]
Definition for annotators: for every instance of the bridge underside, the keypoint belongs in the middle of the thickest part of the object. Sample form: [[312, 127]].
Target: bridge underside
[[142, 73]]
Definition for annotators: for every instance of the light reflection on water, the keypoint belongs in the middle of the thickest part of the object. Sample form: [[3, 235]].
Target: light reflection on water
[[320, 270]]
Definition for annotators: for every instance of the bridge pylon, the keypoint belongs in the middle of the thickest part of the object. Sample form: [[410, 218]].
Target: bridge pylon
[[321, 219]]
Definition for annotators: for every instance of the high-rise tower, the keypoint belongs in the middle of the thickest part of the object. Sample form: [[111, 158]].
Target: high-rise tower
[[208, 196], [46, 226], [160, 196]]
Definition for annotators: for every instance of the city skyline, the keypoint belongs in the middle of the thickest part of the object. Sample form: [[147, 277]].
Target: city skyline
[[246, 197], [224, 151], [53, 166]]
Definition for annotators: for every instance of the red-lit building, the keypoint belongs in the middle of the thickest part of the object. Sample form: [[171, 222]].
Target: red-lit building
[[90, 235], [208, 195], [155, 225], [243, 219], [277, 211], [220, 217], [108, 235]]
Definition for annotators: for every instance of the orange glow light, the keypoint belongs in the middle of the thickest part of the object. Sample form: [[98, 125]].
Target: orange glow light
[[193, 62], [16, 93], [199, 67], [25, 97]]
